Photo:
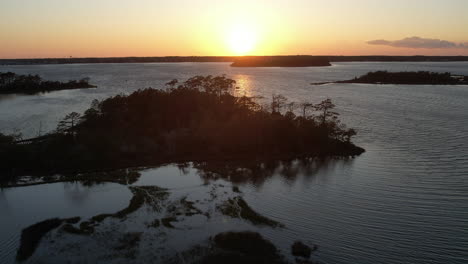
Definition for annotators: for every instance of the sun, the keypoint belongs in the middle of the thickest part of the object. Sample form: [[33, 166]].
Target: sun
[[241, 39]]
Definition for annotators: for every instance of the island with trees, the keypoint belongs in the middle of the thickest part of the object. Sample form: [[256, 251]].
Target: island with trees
[[31, 84], [409, 78], [198, 120], [280, 61]]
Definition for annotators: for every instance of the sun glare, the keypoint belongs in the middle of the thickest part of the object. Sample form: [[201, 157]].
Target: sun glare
[[241, 39]]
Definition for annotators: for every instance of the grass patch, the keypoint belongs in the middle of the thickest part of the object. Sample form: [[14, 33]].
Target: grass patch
[[238, 208], [129, 241], [242, 247], [128, 244], [236, 189], [183, 207], [155, 224], [167, 221]]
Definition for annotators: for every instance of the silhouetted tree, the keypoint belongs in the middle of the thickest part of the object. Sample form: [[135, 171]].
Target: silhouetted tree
[[6, 79], [68, 124], [325, 108], [172, 83], [305, 108], [291, 107], [278, 101], [348, 134]]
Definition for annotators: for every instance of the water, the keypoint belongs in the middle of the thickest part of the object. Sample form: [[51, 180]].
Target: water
[[22, 207], [403, 201]]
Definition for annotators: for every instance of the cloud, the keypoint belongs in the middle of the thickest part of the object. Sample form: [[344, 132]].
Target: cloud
[[420, 43]]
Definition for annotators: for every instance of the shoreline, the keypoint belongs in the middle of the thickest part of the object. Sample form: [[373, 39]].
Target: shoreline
[[405, 78], [44, 91], [227, 59]]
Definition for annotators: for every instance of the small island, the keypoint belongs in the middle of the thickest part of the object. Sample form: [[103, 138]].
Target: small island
[[281, 61], [197, 120], [31, 84], [408, 78]]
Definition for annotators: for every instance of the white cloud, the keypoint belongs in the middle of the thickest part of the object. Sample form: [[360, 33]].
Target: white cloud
[[420, 43]]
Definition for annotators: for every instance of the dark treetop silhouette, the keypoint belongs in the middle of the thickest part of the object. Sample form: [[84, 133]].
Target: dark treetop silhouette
[[198, 120], [31, 84]]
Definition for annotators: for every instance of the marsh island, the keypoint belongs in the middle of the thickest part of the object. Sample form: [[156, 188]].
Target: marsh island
[[198, 120], [408, 78], [31, 84]]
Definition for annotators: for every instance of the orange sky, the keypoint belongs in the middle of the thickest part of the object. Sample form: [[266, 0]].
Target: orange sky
[[105, 28]]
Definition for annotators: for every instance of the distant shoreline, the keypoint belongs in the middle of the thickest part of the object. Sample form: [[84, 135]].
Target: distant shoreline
[[406, 78], [281, 61], [180, 59]]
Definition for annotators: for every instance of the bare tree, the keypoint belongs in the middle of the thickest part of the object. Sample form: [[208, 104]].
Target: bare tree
[[291, 106], [278, 102], [305, 107]]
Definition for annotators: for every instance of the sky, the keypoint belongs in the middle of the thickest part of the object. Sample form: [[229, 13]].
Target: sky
[[116, 28]]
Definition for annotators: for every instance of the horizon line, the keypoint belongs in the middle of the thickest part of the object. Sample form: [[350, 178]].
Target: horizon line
[[224, 56]]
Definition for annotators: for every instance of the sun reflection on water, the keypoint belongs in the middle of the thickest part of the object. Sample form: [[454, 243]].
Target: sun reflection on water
[[243, 85]]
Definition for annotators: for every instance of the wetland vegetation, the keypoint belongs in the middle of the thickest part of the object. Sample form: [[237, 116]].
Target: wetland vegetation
[[238, 208], [167, 214], [408, 78], [31, 84]]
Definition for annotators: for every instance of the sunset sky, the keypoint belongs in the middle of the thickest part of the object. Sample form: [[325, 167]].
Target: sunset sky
[[111, 28]]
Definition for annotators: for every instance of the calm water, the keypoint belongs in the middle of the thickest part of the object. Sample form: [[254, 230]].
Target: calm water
[[403, 201]]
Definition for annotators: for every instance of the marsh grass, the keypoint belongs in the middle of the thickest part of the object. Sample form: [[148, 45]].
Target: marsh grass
[[238, 208]]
